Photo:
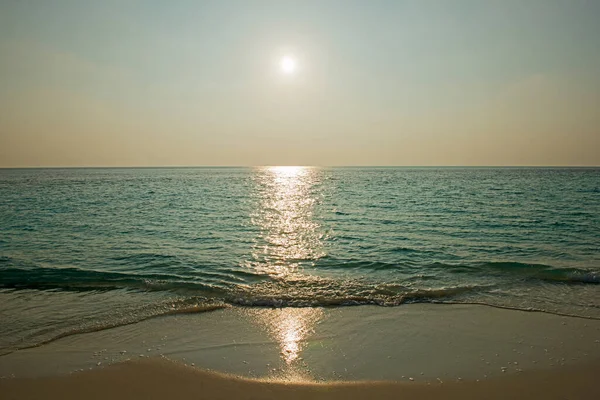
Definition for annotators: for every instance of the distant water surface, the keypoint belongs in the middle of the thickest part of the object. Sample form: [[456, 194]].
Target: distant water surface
[[86, 249]]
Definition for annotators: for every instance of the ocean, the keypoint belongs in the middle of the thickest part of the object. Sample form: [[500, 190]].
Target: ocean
[[89, 249]]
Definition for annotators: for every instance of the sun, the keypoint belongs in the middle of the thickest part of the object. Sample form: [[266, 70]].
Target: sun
[[288, 65]]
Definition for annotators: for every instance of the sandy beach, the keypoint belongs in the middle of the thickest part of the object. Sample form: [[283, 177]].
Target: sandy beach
[[414, 351], [155, 379]]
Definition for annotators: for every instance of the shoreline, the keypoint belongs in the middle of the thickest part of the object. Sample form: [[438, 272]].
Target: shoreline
[[206, 308], [160, 379], [424, 342]]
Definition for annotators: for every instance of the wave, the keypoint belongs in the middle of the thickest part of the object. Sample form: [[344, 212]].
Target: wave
[[82, 280], [188, 306], [542, 272], [297, 290], [382, 295], [75, 279], [489, 283], [219, 282], [518, 270], [209, 290]]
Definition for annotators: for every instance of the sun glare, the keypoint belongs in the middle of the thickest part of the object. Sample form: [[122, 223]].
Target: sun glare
[[288, 65]]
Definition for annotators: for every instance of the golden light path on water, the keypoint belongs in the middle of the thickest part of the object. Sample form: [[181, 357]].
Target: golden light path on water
[[289, 235]]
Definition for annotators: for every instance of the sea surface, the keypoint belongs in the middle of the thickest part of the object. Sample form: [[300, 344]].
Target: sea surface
[[89, 249]]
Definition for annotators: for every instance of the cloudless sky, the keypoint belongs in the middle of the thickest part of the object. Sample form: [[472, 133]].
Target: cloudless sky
[[463, 82]]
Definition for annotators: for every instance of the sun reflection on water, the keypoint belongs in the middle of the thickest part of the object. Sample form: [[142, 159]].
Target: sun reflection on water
[[285, 216], [290, 238]]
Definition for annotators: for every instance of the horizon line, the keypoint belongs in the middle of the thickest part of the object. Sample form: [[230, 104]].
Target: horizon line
[[290, 165]]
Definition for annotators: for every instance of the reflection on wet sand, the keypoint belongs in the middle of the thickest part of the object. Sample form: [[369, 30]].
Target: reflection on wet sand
[[291, 328]]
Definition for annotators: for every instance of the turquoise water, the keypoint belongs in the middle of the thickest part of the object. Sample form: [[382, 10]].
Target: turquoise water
[[87, 249]]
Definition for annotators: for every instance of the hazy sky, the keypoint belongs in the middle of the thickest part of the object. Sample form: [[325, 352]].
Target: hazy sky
[[119, 83]]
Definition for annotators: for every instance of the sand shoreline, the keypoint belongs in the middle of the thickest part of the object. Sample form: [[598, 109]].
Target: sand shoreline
[[160, 379], [352, 352], [421, 341]]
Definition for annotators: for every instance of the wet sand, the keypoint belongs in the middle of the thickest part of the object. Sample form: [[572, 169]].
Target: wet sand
[[160, 379], [347, 352]]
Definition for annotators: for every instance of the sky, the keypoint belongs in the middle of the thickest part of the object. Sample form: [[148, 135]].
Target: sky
[[190, 82]]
